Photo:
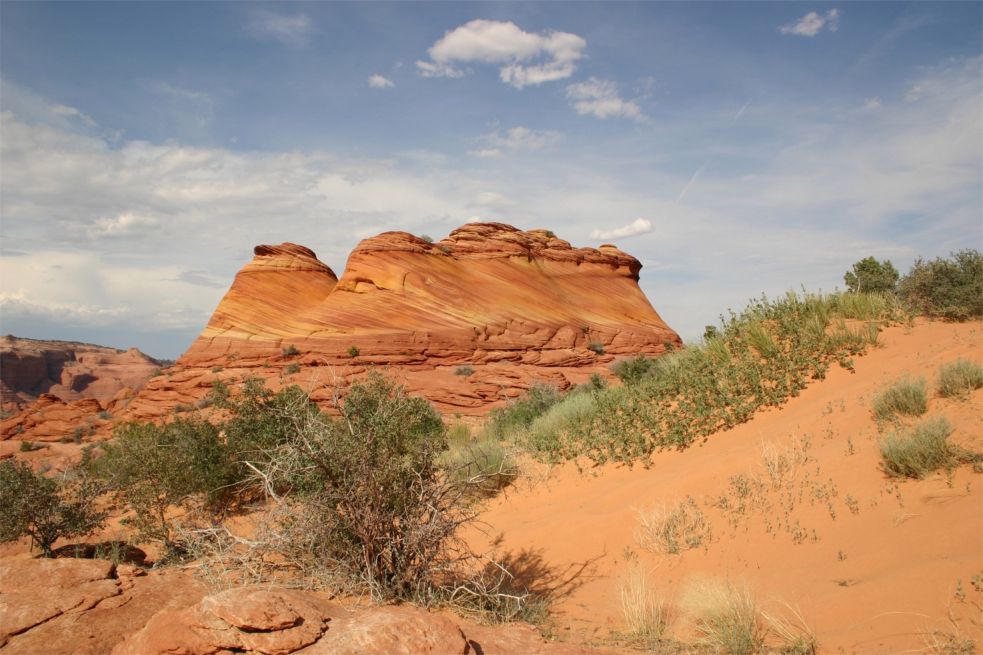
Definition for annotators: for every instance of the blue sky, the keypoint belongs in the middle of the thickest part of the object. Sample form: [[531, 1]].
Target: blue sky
[[735, 148]]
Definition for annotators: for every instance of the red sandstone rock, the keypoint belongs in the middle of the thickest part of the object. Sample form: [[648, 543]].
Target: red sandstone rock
[[68, 370], [404, 630], [519, 307]]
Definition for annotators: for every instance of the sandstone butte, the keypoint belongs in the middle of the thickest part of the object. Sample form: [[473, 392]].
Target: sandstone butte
[[467, 322]]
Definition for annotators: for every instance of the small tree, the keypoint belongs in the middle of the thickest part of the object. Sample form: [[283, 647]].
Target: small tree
[[154, 468], [871, 276], [45, 509]]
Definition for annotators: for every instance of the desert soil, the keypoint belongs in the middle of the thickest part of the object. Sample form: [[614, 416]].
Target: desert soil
[[872, 564]]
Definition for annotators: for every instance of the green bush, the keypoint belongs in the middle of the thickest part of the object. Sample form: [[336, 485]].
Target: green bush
[[921, 450], [154, 468], [291, 369], [507, 422], [45, 509], [633, 369], [959, 377], [353, 352], [290, 351], [596, 347], [487, 463], [950, 289], [871, 276], [905, 397]]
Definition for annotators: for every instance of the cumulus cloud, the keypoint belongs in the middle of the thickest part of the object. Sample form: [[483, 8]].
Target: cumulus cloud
[[292, 30], [600, 98], [125, 224], [72, 112], [812, 24], [514, 139], [636, 227], [872, 103], [379, 82], [525, 58]]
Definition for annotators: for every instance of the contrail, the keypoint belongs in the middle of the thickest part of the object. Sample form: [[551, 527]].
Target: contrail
[[740, 112], [686, 188]]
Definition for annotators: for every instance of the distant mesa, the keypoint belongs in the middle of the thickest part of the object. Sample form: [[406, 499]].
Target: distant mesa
[[516, 306]]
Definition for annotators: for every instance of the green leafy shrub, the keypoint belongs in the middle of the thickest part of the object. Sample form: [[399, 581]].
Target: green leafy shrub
[[507, 422], [871, 276], [905, 397], [46, 509], [353, 352], [923, 449], [959, 377], [154, 468], [633, 369], [950, 289]]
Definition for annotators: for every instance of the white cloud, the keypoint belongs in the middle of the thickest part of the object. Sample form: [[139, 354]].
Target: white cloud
[[526, 59], [636, 227], [72, 112], [914, 93], [379, 82], [514, 139], [813, 23], [600, 98], [872, 103], [292, 30], [125, 224]]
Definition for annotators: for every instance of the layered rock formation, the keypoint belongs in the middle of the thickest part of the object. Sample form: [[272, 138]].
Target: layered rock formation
[[67, 370], [468, 322]]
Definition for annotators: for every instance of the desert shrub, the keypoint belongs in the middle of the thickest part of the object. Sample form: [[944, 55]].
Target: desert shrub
[[647, 615], [959, 377], [427, 238], [922, 449], [290, 351], [950, 289], [544, 435], [353, 352], [487, 462], [871, 276], [46, 509], [465, 370], [370, 499], [725, 617], [758, 358], [596, 347], [156, 468], [290, 369], [507, 422], [633, 369], [905, 397], [27, 446], [673, 529]]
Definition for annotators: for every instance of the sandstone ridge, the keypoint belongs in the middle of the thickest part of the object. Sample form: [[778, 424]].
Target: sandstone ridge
[[513, 306]]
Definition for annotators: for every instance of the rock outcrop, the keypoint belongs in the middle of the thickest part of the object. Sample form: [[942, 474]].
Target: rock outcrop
[[68, 370], [92, 607], [467, 322]]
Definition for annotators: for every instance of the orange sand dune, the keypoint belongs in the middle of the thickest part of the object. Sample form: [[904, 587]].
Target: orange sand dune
[[877, 578]]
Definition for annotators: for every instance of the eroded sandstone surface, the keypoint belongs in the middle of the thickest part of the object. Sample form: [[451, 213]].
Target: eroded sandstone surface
[[468, 322]]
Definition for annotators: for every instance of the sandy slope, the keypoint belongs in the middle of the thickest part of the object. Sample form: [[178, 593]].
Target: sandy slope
[[876, 578]]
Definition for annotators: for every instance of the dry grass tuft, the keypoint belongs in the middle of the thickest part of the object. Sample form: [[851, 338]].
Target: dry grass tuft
[[671, 530]]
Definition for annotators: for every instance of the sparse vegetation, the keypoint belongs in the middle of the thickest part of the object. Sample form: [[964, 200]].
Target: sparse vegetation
[[725, 617], [513, 419], [427, 238], [290, 351], [904, 398], [673, 529], [647, 615], [487, 462], [958, 378], [46, 509], [27, 446], [634, 369], [465, 370], [290, 369], [596, 347], [353, 352], [923, 449]]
